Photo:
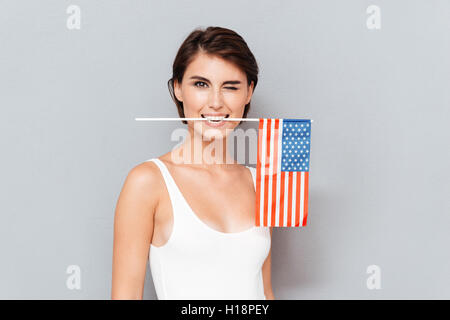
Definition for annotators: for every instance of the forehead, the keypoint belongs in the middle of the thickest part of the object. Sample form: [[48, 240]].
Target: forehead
[[213, 68]]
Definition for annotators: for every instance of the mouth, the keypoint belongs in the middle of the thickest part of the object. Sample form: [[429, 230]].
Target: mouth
[[215, 118]]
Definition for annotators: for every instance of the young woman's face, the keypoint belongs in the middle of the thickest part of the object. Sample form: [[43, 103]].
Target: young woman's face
[[213, 86]]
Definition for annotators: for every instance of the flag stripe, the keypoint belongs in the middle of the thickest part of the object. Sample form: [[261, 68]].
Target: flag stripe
[[274, 172], [270, 173], [302, 199], [263, 172], [282, 188], [294, 198], [297, 197], [278, 172], [258, 171], [266, 172], [289, 212], [286, 196], [305, 205]]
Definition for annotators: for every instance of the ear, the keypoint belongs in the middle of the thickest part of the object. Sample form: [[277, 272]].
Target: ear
[[177, 90], [250, 92]]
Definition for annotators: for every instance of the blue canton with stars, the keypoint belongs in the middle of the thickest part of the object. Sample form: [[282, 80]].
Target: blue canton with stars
[[295, 145]]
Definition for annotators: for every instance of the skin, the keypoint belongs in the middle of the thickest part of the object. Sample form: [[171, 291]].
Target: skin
[[143, 212]]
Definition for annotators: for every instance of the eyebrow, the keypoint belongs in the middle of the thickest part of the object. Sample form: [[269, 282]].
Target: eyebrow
[[225, 82]]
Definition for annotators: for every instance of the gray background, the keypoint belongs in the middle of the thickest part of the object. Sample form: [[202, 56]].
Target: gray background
[[379, 179]]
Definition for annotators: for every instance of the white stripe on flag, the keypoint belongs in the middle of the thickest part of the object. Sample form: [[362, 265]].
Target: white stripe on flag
[[285, 201], [263, 165], [294, 192], [269, 195]]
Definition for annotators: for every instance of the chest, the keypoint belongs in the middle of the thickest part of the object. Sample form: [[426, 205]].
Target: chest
[[225, 204]]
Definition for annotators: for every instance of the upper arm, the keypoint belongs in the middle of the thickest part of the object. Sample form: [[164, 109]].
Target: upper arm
[[133, 231], [266, 271]]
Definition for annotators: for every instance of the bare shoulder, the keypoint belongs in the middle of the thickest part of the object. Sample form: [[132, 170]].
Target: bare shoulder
[[142, 185], [146, 173]]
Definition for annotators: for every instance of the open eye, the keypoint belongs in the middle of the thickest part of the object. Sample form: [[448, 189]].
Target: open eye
[[195, 84]]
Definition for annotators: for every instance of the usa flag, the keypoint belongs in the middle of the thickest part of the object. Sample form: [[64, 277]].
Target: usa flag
[[282, 171]]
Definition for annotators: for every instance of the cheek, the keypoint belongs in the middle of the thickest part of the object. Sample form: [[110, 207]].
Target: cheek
[[196, 95], [235, 101], [195, 98]]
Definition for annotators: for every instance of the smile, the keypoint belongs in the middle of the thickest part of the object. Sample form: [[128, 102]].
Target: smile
[[215, 118], [215, 121]]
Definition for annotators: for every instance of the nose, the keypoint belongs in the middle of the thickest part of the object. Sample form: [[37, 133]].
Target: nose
[[215, 99]]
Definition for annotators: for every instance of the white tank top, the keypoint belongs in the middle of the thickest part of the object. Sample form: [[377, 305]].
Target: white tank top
[[199, 262]]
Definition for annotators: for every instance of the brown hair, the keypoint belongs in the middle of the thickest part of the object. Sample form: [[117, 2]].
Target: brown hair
[[222, 42]]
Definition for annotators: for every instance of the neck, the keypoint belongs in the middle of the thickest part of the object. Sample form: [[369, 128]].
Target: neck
[[203, 153]]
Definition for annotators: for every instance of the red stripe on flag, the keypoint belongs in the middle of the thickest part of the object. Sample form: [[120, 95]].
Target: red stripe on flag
[[274, 175], [266, 172], [305, 206], [258, 173]]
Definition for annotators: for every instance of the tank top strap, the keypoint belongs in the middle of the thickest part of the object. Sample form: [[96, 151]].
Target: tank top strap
[[253, 172], [176, 197]]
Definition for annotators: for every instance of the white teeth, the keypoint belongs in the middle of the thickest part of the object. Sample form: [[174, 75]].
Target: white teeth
[[211, 118]]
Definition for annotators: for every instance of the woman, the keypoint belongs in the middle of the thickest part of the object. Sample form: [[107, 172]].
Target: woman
[[195, 220]]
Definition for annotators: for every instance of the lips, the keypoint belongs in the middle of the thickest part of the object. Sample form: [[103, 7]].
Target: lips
[[215, 116], [215, 120]]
